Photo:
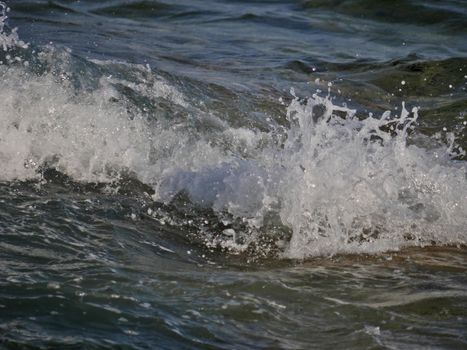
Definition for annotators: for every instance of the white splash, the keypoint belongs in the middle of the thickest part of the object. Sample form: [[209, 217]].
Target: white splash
[[351, 187], [87, 136], [342, 185], [11, 39]]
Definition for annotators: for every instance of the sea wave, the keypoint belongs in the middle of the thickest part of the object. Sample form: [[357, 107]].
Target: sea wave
[[337, 183]]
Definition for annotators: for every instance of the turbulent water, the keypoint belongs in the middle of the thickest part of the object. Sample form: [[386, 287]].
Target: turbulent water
[[233, 174]]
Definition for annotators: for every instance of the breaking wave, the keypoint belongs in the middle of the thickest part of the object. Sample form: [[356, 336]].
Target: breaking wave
[[335, 182]]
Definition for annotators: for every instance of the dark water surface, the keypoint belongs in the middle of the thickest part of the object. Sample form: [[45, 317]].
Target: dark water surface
[[233, 174]]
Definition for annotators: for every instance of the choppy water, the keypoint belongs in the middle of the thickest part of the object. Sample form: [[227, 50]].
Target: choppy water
[[233, 174]]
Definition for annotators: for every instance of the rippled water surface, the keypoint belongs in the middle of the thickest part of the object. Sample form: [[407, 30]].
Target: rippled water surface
[[233, 174]]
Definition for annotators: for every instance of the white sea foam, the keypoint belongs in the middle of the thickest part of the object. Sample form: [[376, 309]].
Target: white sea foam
[[351, 187], [341, 184], [87, 136], [10, 39]]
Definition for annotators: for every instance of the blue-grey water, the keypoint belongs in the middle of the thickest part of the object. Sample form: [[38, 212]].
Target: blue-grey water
[[232, 174]]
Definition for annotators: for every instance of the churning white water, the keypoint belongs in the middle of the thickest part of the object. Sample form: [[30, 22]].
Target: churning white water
[[340, 183], [343, 185]]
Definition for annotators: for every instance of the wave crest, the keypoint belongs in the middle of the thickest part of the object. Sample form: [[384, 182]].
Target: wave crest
[[342, 184]]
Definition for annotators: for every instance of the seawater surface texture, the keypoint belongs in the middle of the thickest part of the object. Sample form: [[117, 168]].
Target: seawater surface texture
[[229, 174]]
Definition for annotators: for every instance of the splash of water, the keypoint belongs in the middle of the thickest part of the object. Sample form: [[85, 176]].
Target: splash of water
[[342, 184], [8, 39], [358, 186]]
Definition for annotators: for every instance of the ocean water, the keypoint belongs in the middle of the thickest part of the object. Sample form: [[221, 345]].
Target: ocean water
[[229, 174]]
